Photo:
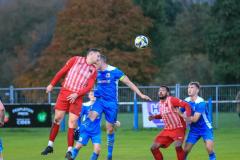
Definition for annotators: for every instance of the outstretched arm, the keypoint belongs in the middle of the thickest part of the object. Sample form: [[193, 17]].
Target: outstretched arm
[[131, 85]]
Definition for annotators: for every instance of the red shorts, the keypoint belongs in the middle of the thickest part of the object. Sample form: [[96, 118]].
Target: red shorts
[[166, 137], [64, 105]]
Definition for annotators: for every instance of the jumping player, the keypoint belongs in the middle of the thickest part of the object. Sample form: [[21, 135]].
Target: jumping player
[[80, 76], [106, 98]]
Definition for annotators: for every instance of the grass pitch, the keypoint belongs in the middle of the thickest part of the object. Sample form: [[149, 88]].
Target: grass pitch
[[27, 144]]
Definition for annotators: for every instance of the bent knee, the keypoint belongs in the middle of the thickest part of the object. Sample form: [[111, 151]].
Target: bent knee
[[110, 129], [57, 120], [97, 149], [154, 147]]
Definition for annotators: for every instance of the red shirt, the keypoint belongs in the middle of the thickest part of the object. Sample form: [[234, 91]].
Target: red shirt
[[80, 76], [169, 112]]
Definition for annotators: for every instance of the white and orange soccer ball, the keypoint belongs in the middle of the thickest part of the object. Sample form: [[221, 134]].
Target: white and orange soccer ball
[[141, 41]]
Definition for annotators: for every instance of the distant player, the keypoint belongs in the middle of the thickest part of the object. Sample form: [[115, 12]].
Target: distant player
[[174, 124], [2, 115], [87, 131], [80, 74], [200, 125], [107, 100]]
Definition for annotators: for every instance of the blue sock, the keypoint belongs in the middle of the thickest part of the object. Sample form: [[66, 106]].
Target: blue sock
[[94, 156], [74, 152], [110, 143], [212, 156]]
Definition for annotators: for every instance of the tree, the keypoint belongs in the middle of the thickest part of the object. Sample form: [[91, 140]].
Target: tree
[[224, 41], [110, 25], [186, 45], [25, 30]]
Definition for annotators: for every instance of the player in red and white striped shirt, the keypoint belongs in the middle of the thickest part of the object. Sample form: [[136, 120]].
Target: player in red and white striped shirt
[[175, 126], [80, 74]]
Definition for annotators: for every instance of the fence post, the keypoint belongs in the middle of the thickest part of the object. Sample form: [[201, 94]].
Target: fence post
[[217, 90], [177, 90], [135, 120], [49, 97], [11, 94]]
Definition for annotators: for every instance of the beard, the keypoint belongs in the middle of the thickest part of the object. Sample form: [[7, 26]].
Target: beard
[[162, 97]]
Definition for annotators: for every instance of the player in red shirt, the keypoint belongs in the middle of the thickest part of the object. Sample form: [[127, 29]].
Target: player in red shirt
[[80, 75], [175, 126]]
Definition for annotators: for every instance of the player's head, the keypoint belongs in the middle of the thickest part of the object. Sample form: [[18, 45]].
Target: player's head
[[163, 92], [193, 88], [102, 62], [91, 95], [93, 55]]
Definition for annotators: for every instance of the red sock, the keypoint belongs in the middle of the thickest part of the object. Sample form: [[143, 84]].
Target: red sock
[[54, 132], [70, 136], [157, 154], [180, 153]]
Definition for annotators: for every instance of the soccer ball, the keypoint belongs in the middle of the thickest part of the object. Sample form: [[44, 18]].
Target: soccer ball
[[141, 41]]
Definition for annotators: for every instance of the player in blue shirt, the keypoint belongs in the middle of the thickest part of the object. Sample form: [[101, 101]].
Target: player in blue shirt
[[200, 126], [107, 97], [2, 115], [88, 130]]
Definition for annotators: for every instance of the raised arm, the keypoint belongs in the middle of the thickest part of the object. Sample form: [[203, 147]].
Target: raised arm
[[131, 85]]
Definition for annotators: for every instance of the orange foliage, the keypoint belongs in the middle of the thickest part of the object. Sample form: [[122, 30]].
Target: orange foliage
[[110, 25]]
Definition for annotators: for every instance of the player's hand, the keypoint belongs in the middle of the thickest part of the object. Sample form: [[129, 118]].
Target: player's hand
[[49, 88], [143, 96], [72, 97], [151, 117]]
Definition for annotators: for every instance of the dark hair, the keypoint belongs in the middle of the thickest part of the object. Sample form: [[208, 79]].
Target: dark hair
[[197, 84], [93, 50], [166, 87], [103, 58]]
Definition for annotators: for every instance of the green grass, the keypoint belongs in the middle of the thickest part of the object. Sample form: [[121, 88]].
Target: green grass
[[26, 144]]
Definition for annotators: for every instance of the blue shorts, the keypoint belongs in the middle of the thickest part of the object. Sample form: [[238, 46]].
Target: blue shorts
[[84, 138], [193, 137], [1, 147], [110, 109]]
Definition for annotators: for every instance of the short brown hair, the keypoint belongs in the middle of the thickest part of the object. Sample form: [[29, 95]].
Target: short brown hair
[[103, 58], [197, 84], [93, 50], [166, 87]]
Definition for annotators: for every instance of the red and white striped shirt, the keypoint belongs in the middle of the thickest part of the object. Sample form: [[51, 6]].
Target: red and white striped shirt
[[169, 112], [80, 76]]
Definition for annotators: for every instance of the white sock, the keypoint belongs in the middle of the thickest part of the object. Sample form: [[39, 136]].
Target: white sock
[[50, 143], [69, 148]]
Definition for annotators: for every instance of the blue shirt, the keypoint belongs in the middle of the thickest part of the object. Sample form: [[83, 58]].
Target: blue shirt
[[107, 83], [87, 125], [203, 122]]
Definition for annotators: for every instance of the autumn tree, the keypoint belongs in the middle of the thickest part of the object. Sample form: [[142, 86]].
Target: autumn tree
[[109, 25]]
